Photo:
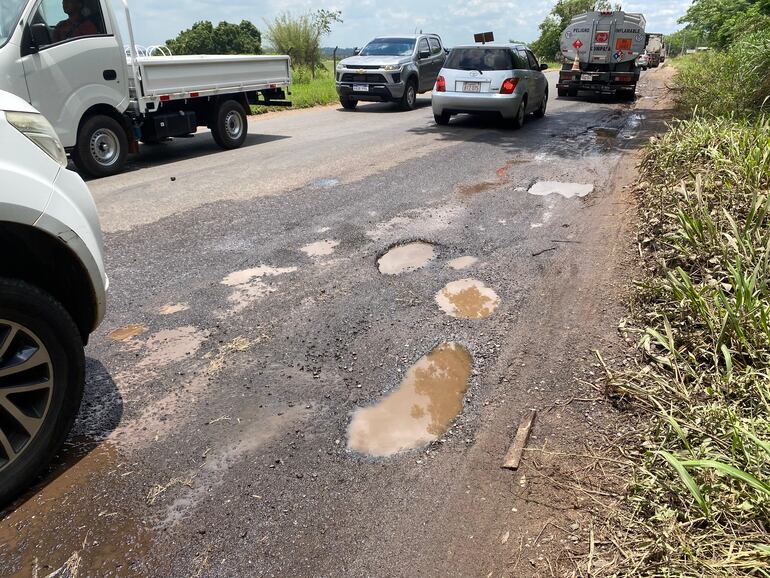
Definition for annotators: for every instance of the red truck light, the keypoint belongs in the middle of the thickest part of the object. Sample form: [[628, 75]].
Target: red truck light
[[509, 85]]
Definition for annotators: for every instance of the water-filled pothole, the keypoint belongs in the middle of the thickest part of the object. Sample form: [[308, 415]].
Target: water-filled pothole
[[320, 248], [127, 332], [467, 299], [567, 190], [422, 408], [403, 258], [462, 262]]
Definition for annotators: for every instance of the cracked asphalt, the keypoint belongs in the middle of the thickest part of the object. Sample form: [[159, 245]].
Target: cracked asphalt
[[248, 320]]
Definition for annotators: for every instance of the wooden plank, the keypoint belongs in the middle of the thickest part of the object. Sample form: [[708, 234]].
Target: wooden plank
[[513, 457]]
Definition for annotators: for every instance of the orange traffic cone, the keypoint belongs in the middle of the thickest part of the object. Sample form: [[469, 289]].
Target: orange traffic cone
[[576, 62]]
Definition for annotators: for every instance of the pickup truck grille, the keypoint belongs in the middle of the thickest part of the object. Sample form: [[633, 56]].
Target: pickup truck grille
[[368, 78], [364, 67]]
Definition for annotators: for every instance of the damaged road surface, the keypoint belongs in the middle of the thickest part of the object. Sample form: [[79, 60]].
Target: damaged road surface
[[320, 346]]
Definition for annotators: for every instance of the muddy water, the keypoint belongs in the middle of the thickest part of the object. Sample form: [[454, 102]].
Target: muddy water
[[403, 258], [567, 190], [172, 308], [462, 262], [467, 299], [423, 407], [170, 345], [127, 332], [320, 248]]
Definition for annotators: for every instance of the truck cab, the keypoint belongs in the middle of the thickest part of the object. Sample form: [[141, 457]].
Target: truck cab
[[67, 59], [391, 69]]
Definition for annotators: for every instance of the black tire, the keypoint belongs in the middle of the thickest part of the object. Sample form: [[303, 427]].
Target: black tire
[[573, 92], [230, 125], [35, 313], [348, 103], [518, 121], [102, 146], [561, 92], [443, 118], [626, 95], [540, 112], [409, 99]]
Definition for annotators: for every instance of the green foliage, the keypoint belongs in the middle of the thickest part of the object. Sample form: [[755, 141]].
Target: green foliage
[[719, 23], [737, 79], [300, 36], [547, 45], [308, 90], [226, 38]]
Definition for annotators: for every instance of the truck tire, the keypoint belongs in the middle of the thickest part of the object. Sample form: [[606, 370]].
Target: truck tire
[[540, 112], [561, 92], [41, 356], [348, 103], [101, 147], [230, 125], [572, 92], [409, 99], [626, 95]]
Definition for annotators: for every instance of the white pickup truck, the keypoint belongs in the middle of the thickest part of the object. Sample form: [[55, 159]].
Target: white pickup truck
[[67, 58]]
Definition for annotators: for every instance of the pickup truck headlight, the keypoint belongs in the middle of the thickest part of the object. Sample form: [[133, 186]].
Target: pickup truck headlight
[[36, 128], [392, 67]]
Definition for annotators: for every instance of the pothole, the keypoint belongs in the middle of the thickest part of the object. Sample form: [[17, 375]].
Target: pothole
[[420, 410], [320, 248], [403, 258], [462, 262], [172, 308], [467, 299], [567, 190], [127, 332]]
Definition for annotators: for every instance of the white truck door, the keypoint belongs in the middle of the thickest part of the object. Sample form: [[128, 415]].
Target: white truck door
[[73, 62]]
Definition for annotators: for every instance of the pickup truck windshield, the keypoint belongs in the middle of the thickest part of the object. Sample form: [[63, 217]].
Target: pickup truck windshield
[[480, 59], [388, 47], [9, 15]]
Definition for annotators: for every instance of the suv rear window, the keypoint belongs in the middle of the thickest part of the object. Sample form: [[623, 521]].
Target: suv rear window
[[480, 59]]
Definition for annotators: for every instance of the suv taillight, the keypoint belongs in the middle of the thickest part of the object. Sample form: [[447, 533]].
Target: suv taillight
[[441, 84], [509, 85]]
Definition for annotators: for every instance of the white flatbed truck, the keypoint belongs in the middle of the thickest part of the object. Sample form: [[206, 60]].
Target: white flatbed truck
[[68, 60]]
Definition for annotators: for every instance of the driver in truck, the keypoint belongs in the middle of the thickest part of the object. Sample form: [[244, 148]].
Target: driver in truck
[[75, 25]]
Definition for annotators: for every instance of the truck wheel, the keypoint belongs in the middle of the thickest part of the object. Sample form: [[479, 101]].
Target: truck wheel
[[562, 92], [230, 127], [442, 119], [101, 147], [540, 112], [573, 92], [409, 100], [42, 369], [348, 103]]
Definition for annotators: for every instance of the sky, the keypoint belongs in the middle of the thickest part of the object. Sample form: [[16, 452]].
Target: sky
[[155, 21]]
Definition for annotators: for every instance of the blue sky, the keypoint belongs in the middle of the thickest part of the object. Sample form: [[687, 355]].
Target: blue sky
[[455, 20]]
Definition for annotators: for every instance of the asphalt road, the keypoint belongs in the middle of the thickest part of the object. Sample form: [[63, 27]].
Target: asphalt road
[[248, 321]]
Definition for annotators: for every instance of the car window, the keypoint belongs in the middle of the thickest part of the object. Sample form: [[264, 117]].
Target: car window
[[532, 61], [10, 10], [435, 45], [423, 46], [479, 59], [520, 61], [388, 47], [68, 19]]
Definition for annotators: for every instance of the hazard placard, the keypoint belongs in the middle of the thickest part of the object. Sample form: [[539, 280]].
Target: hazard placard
[[577, 44]]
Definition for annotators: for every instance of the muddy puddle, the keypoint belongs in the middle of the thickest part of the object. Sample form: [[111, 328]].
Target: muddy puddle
[[404, 258], [127, 332], [462, 262], [420, 410], [172, 308], [467, 299], [248, 285], [470, 190], [68, 528], [170, 345], [566, 190], [322, 248]]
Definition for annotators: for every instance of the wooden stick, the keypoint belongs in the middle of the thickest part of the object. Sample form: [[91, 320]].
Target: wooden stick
[[513, 457]]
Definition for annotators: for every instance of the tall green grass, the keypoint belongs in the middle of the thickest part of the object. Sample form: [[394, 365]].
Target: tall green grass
[[308, 90], [699, 504]]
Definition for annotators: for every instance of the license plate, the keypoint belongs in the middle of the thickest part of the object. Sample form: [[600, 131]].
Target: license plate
[[586, 77], [472, 87], [360, 88]]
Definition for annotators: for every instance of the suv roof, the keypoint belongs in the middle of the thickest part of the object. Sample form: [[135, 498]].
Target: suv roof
[[413, 36], [492, 45]]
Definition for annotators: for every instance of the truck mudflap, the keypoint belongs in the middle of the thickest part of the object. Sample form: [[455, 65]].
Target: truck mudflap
[[605, 82]]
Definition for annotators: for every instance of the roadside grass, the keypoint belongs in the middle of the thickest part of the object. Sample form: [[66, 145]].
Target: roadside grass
[[699, 500], [307, 91]]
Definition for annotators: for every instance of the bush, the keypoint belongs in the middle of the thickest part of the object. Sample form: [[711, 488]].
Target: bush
[[300, 36], [733, 82]]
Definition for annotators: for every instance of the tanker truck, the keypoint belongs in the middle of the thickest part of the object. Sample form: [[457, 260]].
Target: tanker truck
[[656, 50], [600, 51]]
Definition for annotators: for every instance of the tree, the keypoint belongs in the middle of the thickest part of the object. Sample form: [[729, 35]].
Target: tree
[[226, 38], [719, 23], [300, 37], [547, 45]]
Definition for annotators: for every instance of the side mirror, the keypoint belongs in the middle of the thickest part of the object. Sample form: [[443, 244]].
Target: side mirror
[[543, 66], [356, 51], [424, 54], [41, 35]]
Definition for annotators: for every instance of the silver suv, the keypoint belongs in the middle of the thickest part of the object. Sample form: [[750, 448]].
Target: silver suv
[[391, 69], [52, 292]]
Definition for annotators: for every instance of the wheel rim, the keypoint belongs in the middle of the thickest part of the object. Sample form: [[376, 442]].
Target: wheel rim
[[233, 124], [105, 147], [26, 388]]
